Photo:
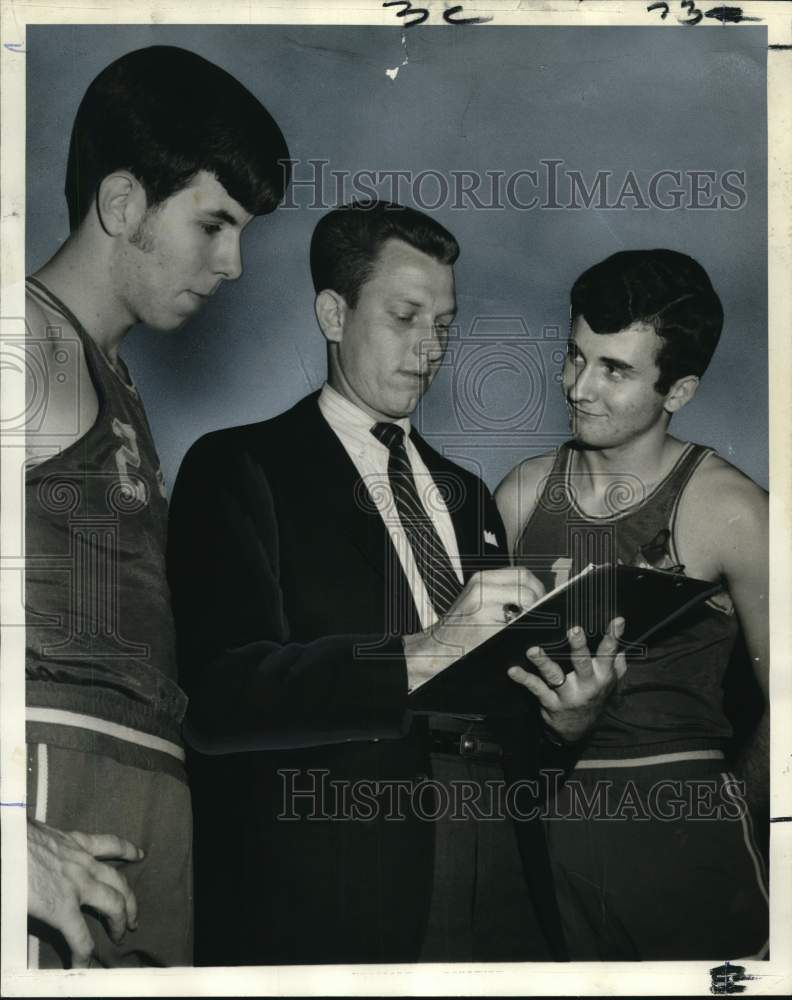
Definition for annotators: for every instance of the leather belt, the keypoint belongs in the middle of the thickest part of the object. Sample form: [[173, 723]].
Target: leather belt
[[464, 738]]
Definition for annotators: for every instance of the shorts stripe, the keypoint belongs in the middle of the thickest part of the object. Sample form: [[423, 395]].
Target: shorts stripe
[[756, 859], [42, 794], [42, 782], [59, 717], [661, 758]]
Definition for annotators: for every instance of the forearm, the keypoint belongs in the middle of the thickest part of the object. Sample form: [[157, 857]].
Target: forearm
[[270, 696]]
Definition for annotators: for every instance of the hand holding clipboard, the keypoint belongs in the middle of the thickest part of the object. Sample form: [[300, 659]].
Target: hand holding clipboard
[[646, 599]]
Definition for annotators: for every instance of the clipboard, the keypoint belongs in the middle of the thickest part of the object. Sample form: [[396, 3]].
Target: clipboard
[[647, 599]]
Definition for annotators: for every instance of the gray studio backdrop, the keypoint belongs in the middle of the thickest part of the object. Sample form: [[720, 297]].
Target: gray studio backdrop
[[486, 101]]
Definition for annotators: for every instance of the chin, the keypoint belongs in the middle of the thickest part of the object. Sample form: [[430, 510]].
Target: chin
[[166, 324], [582, 445], [400, 412], [583, 440]]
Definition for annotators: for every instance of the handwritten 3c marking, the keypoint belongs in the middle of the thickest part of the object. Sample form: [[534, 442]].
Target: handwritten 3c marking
[[420, 14]]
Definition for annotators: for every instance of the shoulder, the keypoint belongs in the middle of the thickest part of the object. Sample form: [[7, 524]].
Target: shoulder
[[525, 480], [58, 370], [45, 328], [719, 488], [267, 440], [723, 514], [519, 492], [36, 316]]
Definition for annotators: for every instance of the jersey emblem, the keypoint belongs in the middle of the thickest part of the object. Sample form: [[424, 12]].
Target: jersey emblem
[[128, 456]]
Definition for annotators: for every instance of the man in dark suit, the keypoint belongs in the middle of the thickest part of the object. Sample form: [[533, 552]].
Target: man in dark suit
[[324, 564]]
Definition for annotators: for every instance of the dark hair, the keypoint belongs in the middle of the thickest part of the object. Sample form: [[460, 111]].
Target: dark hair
[[164, 114], [662, 288], [346, 242]]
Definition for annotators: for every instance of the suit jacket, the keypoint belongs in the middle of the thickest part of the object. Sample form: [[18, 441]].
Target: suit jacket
[[289, 603]]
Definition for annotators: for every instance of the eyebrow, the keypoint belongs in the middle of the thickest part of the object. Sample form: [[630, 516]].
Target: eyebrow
[[419, 305], [617, 363], [223, 216]]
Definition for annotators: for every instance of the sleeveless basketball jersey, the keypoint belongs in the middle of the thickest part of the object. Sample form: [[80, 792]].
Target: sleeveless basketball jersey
[[671, 698], [100, 635]]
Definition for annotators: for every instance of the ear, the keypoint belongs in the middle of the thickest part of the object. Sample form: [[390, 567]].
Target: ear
[[120, 203], [681, 393], [331, 311]]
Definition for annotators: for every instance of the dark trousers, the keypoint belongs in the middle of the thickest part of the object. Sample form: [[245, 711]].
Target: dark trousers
[[481, 909]]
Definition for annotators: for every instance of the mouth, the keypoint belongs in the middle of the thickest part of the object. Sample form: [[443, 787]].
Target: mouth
[[578, 412], [203, 296]]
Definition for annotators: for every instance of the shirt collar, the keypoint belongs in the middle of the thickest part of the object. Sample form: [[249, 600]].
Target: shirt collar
[[345, 416]]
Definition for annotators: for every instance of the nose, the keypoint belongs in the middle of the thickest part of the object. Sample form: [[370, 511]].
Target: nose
[[430, 344], [228, 261], [581, 387]]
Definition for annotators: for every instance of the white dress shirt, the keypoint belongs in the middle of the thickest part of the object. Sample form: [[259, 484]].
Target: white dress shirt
[[353, 426]]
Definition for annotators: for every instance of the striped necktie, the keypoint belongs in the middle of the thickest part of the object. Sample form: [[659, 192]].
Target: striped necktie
[[431, 557]]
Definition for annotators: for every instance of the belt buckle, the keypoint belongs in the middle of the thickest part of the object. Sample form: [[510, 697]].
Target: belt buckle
[[468, 745]]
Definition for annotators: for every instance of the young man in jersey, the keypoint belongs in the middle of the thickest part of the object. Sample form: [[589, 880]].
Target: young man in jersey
[[677, 875], [170, 159]]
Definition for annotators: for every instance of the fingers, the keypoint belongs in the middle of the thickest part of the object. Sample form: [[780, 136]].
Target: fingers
[[606, 655], [552, 674], [488, 590], [579, 653], [571, 703], [529, 587], [100, 896], [75, 930], [116, 881], [609, 646], [65, 875], [546, 697], [107, 846]]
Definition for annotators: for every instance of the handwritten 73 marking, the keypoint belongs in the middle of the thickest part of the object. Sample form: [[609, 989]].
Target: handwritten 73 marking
[[722, 13]]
